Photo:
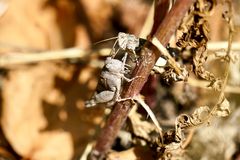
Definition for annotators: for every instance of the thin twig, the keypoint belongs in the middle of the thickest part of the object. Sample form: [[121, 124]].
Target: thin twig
[[164, 51], [228, 61], [188, 140], [140, 100], [204, 85], [229, 48], [216, 46], [21, 58], [161, 8], [25, 58], [14, 58]]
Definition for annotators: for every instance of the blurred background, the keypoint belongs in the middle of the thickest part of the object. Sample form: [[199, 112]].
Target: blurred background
[[42, 103]]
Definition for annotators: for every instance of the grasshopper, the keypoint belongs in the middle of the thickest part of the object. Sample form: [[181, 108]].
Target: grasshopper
[[110, 83]]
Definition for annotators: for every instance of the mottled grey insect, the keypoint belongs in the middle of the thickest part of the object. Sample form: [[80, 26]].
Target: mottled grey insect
[[110, 83]]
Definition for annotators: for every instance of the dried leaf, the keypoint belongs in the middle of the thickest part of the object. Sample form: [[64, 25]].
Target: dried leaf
[[173, 151], [30, 26], [141, 128], [185, 121], [223, 109], [22, 115], [53, 145], [33, 111], [182, 122], [200, 114], [194, 33]]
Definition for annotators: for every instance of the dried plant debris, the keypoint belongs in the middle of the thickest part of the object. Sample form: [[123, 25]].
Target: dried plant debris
[[222, 109], [173, 140], [202, 115], [141, 129], [169, 69], [193, 37], [221, 142], [169, 75], [176, 140]]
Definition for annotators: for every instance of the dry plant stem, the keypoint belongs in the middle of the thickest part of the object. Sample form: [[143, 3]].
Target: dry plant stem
[[149, 55], [23, 58], [164, 51], [228, 61], [188, 139], [228, 56], [161, 6], [172, 21], [169, 26], [18, 58], [203, 84], [222, 46], [147, 60]]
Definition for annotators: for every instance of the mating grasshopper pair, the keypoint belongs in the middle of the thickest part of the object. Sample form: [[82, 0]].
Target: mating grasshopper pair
[[114, 71]]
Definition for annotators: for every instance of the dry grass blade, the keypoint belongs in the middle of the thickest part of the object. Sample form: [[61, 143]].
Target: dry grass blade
[[140, 100], [16, 58]]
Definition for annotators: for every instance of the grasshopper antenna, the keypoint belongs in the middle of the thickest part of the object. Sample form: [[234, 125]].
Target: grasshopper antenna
[[113, 52], [105, 40]]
